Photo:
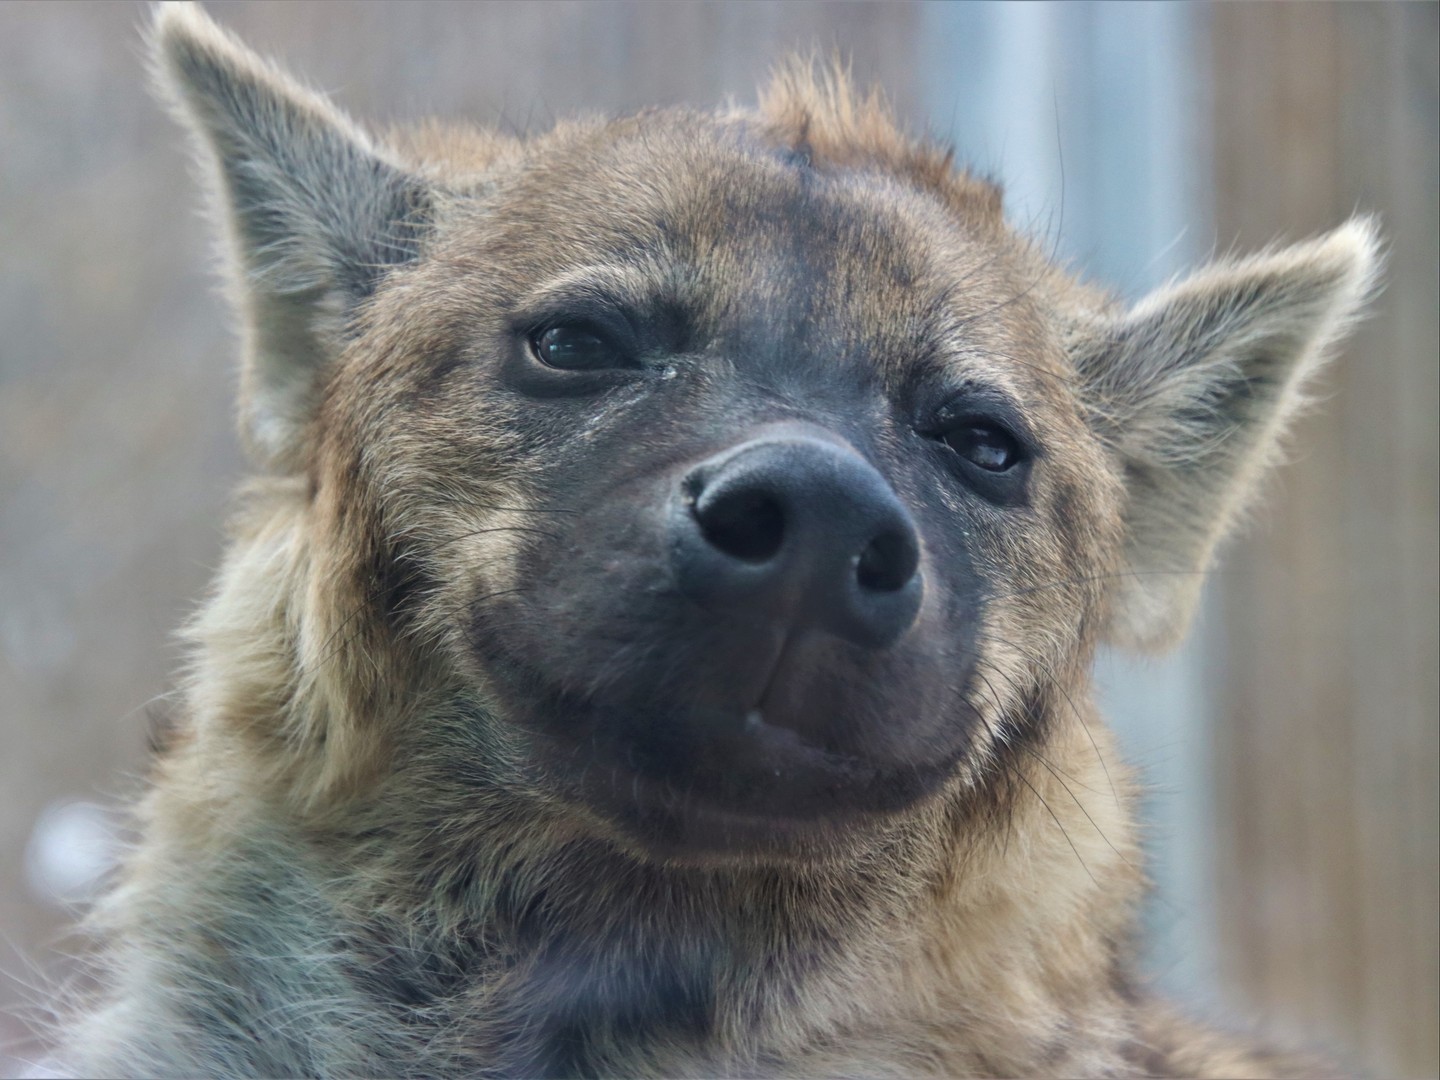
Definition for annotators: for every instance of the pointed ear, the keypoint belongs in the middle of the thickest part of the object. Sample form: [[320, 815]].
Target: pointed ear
[[314, 213], [1193, 389]]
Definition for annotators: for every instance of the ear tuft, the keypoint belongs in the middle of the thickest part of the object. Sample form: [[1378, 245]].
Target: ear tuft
[[314, 212], [1193, 389], [230, 93]]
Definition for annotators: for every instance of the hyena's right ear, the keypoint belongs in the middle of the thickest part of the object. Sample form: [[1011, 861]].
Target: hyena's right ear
[[314, 211]]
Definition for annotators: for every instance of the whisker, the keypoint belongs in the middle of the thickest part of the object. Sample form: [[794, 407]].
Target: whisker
[[1056, 818], [1099, 757], [1058, 685], [1074, 798]]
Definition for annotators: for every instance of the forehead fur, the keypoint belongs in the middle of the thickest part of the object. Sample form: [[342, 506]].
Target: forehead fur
[[817, 111], [809, 108]]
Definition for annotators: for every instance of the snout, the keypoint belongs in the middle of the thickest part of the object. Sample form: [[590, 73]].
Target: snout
[[800, 533], [730, 657]]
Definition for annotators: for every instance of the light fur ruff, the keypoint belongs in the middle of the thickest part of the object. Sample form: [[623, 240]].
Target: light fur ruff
[[352, 861]]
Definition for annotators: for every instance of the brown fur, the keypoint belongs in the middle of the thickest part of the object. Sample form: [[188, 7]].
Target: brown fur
[[355, 860]]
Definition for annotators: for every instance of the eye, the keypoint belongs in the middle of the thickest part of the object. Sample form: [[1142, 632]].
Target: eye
[[577, 347], [985, 445]]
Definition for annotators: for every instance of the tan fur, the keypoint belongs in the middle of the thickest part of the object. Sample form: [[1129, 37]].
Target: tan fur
[[352, 860]]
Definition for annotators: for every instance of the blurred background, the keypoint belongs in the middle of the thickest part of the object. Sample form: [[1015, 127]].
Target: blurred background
[[1291, 745]]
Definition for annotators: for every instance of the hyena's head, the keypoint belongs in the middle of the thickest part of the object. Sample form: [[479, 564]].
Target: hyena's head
[[728, 483]]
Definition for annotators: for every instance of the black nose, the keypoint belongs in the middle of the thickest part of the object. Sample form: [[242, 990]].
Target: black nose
[[797, 528]]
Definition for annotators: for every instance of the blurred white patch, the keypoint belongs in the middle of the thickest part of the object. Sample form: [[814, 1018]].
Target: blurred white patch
[[72, 846]]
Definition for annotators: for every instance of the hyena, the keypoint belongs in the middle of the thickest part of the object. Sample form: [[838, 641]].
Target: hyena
[[656, 639]]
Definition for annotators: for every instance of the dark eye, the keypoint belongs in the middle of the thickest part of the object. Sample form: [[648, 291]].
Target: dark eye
[[987, 445], [578, 348]]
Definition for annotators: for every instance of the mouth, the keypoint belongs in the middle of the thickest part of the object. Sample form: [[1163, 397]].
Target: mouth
[[695, 783], [689, 735]]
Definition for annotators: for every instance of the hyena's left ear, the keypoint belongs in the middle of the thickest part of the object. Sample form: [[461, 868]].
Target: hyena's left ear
[[1193, 389], [314, 211]]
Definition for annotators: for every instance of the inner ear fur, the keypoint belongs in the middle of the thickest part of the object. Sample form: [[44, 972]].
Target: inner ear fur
[[1193, 389], [314, 213]]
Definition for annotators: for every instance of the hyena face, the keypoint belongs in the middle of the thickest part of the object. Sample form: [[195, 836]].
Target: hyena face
[[741, 486], [741, 477]]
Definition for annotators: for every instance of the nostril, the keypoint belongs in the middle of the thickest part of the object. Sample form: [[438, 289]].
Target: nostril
[[888, 562], [797, 534], [745, 524]]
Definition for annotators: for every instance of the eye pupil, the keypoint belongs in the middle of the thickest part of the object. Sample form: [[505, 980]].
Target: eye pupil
[[990, 448], [575, 348]]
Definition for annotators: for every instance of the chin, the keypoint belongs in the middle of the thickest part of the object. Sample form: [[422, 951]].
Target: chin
[[707, 786]]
